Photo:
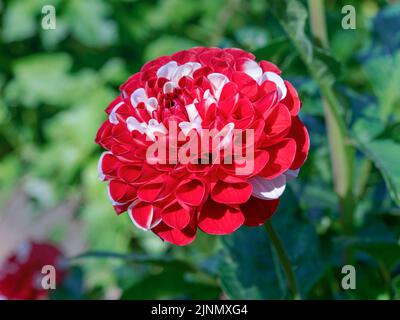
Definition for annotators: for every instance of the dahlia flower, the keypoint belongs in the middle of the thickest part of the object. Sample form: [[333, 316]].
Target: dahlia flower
[[21, 274], [246, 105]]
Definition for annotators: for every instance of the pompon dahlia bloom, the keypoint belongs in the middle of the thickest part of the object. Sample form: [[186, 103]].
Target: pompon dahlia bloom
[[190, 94], [21, 274]]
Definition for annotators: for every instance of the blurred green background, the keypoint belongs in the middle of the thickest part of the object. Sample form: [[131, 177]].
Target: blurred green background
[[55, 85]]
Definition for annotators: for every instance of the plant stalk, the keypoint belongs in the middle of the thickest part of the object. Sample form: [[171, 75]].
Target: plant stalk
[[340, 152], [284, 260]]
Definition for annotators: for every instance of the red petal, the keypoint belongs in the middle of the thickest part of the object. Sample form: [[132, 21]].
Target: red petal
[[117, 190], [175, 236], [292, 100], [300, 134], [176, 216], [129, 195], [129, 173], [261, 158], [109, 165], [191, 192], [247, 85], [277, 125], [268, 99], [257, 211], [231, 193], [281, 158], [143, 214], [243, 114], [216, 218], [149, 191], [269, 66]]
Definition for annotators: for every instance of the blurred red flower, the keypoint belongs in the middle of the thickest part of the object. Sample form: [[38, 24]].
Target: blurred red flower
[[193, 92], [21, 274]]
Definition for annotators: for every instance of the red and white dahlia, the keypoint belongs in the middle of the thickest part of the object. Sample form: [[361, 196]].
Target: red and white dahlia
[[21, 274], [173, 100]]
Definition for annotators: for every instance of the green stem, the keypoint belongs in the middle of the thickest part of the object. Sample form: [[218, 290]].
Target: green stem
[[340, 152], [284, 260], [318, 22]]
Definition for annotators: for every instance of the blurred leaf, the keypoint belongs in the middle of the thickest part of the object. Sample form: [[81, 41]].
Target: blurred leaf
[[52, 37], [377, 240], [22, 19], [171, 12], [292, 15], [387, 26], [19, 21], [72, 287], [368, 125], [252, 37], [385, 154], [167, 45], [274, 51], [396, 287], [171, 280], [114, 71], [88, 22], [40, 78], [384, 75], [250, 269]]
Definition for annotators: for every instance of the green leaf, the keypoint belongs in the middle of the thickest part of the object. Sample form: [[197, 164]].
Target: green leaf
[[19, 21], [249, 268], [114, 71], [384, 75], [41, 78], [22, 19], [174, 279], [368, 125], [252, 37], [385, 155], [167, 45], [396, 287], [88, 22]]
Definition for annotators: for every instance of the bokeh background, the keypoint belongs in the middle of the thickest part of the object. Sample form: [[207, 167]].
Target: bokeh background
[[55, 84]]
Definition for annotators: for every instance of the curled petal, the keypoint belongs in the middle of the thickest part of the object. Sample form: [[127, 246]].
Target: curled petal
[[191, 192], [176, 215], [300, 134], [268, 189], [144, 215], [175, 236], [281, 156], [257, 211], [231, 193], [217, 218]]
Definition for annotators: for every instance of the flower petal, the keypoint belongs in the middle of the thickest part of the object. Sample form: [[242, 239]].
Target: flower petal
[[257, 211], [280, 84], [191, 192], [217, 81], [300, 134], [175, 236], [231, 193], [268, 189], [252, 69], [176, 216], [281, 158], [143, 214], [217, 218]]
